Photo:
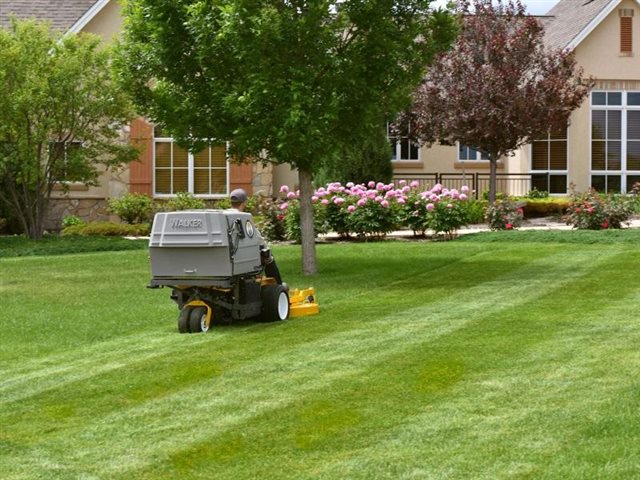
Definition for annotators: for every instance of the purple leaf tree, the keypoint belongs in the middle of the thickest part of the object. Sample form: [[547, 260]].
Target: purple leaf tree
[[498, 88]]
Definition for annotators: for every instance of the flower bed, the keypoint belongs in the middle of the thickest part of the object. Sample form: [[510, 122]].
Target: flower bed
[[376, 209]]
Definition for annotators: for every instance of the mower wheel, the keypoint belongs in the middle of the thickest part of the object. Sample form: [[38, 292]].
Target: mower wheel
[[275, 303], [198, 320], [183, 320]]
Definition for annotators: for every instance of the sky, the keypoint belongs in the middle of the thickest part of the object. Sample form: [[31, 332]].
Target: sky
[[534, 7]]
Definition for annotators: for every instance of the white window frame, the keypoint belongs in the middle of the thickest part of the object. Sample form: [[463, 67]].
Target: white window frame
[[553, 172], [190, 173], [623, 173], [478, 158], [398, 147]]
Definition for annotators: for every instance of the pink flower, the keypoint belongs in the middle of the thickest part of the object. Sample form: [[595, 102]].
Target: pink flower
[[362, 202], [284, 206], [384, 203], [379, 186], [605, 224], [338, 200], [508, 226], [415, 184], [350, 185], [463, 197], [371, 184], [402, 183], [430, 206], [284, 189], [449, 205], [291, 195], [379, 198], [434, 197], [406, 189], [401, 200], [280, 216], [464, 189], [315, 198], [390, 194], [324, 201], [351, 208], [437, 188]]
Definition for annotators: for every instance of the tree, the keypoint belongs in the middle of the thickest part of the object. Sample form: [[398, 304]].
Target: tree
[[369, 159], [497, 88], [285, 81], [60, 116]]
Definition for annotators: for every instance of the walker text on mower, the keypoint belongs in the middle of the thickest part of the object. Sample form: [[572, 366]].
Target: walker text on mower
[[213, 260]]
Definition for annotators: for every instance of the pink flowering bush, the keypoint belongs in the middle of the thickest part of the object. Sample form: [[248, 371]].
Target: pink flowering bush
[[504, 214], [377, 208], [593, 211]]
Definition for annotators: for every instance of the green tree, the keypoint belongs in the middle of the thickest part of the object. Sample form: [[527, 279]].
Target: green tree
[[284, 81], [369, 159], [60, 116]]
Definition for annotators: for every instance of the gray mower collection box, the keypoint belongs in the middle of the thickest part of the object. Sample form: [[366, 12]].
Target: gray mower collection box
[[203, 247]]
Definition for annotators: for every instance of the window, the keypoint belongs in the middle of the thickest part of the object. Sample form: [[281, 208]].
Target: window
[[626, 31], [549, 162], [402, 147], [469, 154], [615, 140], [203, 173], [71, 167]]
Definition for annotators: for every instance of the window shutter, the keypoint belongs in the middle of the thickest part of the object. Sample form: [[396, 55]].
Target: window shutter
[[241, 176], [140, 171], [626, 30]]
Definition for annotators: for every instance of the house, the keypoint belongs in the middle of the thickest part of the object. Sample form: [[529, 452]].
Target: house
[[163, 168], [601, 146]]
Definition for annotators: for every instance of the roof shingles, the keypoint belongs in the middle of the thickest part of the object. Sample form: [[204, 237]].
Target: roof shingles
[[570, 17], [61, 13]]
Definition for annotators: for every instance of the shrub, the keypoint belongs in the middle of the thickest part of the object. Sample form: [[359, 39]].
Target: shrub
[[504, 214], [108, 229], [132, 208], [373, 218], [184, 201], [360, 161], [224, 203], [291, 211], [476, 211], [376, 209], [545, 207], [270, 220], [593, 211], [534, 193], [361, 210], [71, 220]]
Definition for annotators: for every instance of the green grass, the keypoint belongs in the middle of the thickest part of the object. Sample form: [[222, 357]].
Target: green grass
[[507, 355]]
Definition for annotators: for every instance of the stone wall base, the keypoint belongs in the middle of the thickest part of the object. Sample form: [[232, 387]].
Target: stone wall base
[[88, 209]]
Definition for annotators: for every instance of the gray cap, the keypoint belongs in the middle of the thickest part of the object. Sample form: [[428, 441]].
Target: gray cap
[[238, 195]]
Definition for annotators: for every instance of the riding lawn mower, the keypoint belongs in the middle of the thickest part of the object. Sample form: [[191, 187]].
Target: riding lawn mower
[[214, 262]]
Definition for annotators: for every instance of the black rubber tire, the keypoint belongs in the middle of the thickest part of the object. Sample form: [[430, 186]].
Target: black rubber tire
[[183, 320], [275, 303], [196, 320]]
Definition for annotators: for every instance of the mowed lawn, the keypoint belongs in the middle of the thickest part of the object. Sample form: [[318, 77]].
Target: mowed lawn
[[512, 355]]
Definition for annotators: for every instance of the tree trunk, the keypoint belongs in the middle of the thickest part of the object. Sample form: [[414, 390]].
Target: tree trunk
[[493, 170], [309, 266]]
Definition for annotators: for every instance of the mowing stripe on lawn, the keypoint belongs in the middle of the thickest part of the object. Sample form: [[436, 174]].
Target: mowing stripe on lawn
[[133, 438], [39, 375]]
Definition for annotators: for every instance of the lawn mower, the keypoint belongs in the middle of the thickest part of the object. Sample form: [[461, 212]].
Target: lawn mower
[[213, 260]]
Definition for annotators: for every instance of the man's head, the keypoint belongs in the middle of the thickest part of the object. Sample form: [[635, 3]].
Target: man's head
[[238, 198]]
